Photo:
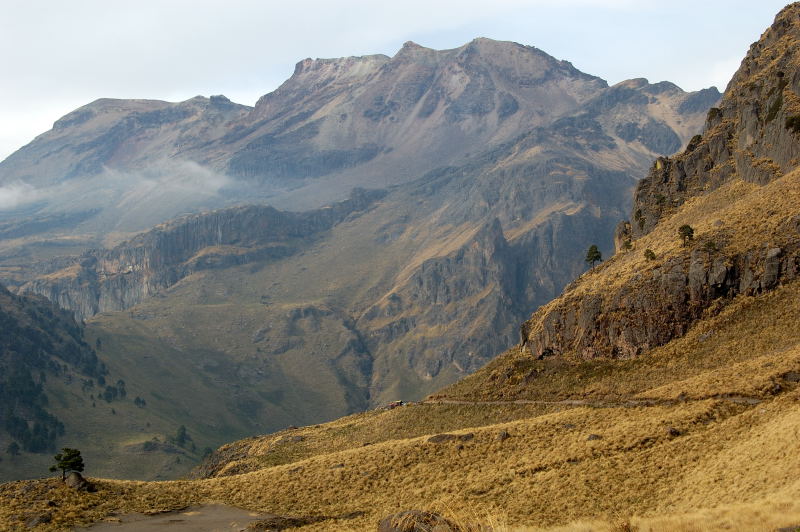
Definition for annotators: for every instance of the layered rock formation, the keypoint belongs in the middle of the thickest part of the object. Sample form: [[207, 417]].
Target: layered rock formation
[[500, 166], [735, 185], [119, 278]]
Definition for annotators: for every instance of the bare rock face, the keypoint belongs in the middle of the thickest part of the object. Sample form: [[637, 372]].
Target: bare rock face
[[752, 134], [751, 137], [659, 306], [119, 278], [500, 166]]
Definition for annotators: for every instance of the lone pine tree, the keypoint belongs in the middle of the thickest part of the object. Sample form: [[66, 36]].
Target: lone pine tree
[[67, 460], [593, 255], [686, 233]]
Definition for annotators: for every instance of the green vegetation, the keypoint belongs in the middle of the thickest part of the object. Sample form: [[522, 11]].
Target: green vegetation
[[13, 448], [686, 232], [593, 255], [649, 254], [67, 460], [181, 437], [793, 123]]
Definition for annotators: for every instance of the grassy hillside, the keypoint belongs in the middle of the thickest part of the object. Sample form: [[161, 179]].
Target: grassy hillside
[[660, 391], [693, 453]]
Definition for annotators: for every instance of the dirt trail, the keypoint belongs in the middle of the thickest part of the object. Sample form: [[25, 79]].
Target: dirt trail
[[626, 403], [205, 518]]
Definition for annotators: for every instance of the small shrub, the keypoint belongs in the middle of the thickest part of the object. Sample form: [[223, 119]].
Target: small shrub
[[793, 123], [686, 233], [649, 254], [774, 108]]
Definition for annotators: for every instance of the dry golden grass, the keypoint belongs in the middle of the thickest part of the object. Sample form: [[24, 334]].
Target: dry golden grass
[[368, 428], [546, 473], [737, 216], [700, 463]]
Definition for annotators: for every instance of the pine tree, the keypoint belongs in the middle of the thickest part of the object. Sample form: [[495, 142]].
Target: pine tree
[[687, 233], [67, 460], [593, 255]]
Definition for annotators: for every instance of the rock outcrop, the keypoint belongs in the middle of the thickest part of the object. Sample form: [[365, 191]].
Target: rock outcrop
[[501, 165], [752, 135], [119, 278], [657, 306], [749, 137]]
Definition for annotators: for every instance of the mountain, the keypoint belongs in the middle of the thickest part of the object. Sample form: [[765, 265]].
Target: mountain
[[114, 167], [659, 391], [463, 200]]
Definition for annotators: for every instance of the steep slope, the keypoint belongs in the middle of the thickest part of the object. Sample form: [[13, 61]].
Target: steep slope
[[665, 461], [36, 340], [736, 185], [119, 278], [654, 394], [56, 391], [315, 314], [117, 166]]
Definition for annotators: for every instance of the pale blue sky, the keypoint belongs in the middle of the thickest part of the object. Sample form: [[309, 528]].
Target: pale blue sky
[[56, 55]]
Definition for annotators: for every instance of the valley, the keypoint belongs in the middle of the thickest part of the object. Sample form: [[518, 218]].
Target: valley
[[415, 272], [432, 339]]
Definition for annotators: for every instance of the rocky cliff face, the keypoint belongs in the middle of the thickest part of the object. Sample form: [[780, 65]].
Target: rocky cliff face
[[370, 121], [752, 135], [474, 245], [501, 165], [735, 184], [119, 278], [659, 305]]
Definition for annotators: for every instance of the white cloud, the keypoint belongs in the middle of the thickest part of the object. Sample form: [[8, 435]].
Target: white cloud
[[17, 195]]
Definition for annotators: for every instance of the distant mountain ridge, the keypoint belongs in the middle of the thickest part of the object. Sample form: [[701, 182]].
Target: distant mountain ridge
[[370, 121], [487, 170]]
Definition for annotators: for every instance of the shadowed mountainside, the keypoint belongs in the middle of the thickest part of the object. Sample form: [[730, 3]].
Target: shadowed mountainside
[[497, 164], [687, 422]]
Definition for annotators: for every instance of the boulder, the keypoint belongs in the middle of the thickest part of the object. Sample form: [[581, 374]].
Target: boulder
[[416, 521], [76, 481]]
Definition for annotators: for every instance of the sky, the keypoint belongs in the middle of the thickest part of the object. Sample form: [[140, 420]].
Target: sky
[[56, 55]]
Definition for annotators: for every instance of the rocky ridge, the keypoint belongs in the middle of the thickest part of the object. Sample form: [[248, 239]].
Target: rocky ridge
[[119, 278], [517, 162], [735, 184], [749, 137]]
